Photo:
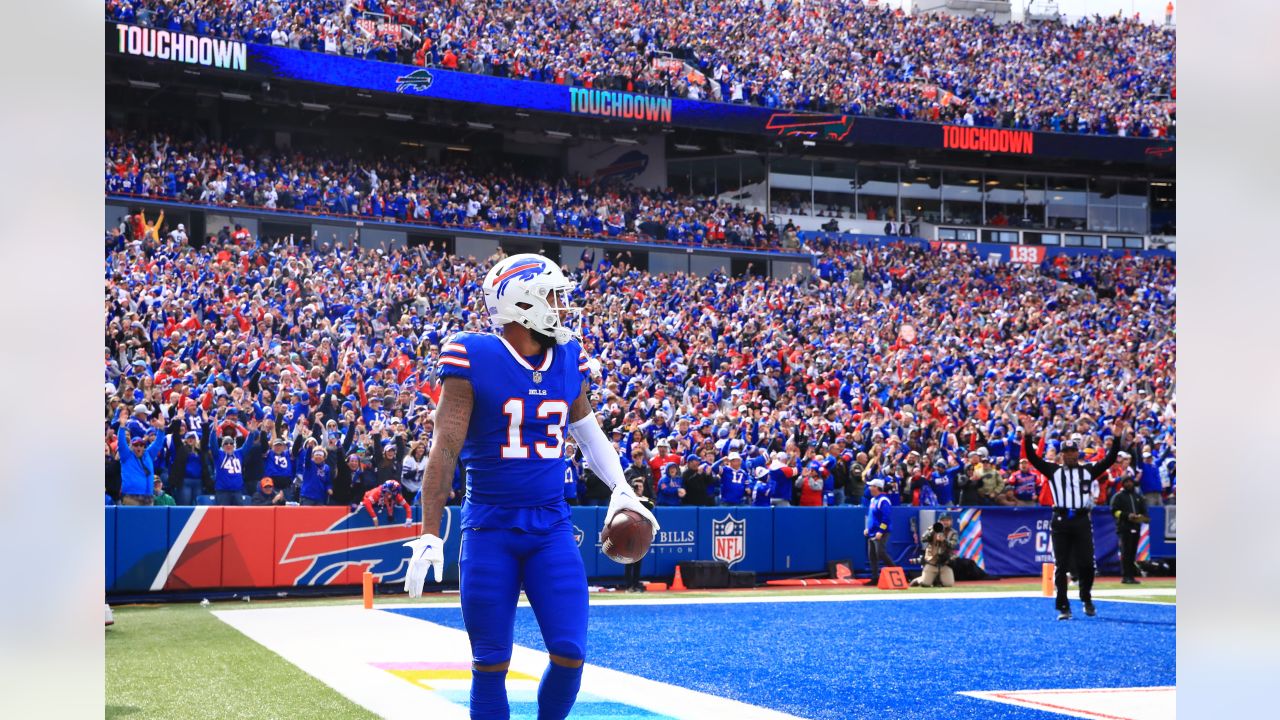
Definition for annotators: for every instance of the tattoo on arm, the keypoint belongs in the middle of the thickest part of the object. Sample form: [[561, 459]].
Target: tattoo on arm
[[581, 405], [453, 416]]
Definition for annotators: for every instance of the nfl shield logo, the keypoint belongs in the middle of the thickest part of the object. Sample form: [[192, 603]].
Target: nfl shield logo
[[729, 540], [537, 376]]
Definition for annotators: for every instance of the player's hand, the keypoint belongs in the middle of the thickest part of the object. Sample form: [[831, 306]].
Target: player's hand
[[425, 553], [624, 498]]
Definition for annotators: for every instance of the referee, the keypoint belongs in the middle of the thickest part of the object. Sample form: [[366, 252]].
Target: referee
[[1071, 485]]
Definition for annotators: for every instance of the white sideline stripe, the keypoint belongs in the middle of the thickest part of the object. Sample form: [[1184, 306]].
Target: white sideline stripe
[[337, 644], [677, 598], [180, 544], [1139, 703]]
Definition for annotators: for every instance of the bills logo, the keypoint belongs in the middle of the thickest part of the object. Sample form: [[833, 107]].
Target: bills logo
[[331, 551], [1021, 536], [817, 127], [729, 540], [418, 81], [526, 270], [628, 166]]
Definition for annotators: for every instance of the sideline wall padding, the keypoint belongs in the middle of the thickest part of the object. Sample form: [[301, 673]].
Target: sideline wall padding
[[110, 527], [799, 539], [198, 563], [141, 546], [247, 545]]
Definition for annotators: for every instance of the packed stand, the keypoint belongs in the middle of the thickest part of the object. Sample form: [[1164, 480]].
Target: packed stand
[[299, 373], [394, 189], [1100, 75]]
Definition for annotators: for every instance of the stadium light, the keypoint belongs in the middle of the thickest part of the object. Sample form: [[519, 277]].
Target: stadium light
[[479, 125], [687, 148], [317, 107], [402, 117], [808, 143], [626, 141], [457, 148], [738, 151], [558, 134], [238, 97], [144, 84]]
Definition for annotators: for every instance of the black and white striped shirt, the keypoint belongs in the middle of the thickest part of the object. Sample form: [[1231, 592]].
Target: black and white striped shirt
[[1071, 487]]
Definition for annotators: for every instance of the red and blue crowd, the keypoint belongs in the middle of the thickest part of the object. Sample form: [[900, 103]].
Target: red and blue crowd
[[444, 195], [293, 372], [1111, 76]]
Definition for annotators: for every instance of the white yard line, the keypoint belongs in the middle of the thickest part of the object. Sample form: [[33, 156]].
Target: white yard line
[[1144, 703], [348, 649]]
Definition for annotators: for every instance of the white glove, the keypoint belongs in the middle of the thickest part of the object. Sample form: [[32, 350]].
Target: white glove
[[624, 499], [427, 552]]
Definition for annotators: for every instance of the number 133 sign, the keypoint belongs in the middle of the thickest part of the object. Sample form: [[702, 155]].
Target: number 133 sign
[[1026, 254]]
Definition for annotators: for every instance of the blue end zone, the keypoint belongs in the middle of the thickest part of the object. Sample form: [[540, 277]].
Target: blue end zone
[[871, 659]]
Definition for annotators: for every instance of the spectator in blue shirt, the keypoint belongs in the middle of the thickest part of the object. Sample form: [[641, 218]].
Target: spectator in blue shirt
[[137, 464]]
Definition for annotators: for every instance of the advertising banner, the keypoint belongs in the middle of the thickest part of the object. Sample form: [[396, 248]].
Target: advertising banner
[[1016, 541]]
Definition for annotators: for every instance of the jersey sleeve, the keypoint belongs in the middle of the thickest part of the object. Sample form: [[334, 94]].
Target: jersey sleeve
[[454, 361]]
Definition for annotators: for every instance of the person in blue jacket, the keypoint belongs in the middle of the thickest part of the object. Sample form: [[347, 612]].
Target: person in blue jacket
[[670, 486], [315, 479], [137, 465], [228, 464], [762, 490], [877, 532]]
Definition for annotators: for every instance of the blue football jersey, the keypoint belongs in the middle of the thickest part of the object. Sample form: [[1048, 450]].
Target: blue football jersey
[[514, 451]]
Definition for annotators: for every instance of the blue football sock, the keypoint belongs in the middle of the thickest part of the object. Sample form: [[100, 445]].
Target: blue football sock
[[489, 695], [557, 691]]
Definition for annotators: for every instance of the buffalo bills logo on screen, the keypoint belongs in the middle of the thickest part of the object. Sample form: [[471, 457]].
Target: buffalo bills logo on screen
[[729, 540], [379, 549], [526, 270], [1021, 536], [628, 166], [815, 127], [418, 81]]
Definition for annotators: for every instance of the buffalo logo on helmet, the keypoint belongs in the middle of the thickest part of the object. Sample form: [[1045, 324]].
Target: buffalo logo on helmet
[[524, 270]]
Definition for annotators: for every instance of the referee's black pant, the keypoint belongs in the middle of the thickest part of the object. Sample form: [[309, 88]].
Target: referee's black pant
[[1072, 536]]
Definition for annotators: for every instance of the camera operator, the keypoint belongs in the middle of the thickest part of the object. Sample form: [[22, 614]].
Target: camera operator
[[939, 544]]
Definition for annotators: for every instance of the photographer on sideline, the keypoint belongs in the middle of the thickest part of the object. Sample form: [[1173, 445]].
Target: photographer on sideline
[[940, 544]]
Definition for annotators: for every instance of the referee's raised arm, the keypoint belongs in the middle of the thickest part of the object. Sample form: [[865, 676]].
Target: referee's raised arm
[[1117, 430], [1029, 447]]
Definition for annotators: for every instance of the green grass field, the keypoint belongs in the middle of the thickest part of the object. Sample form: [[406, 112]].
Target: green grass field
[[178, 661]]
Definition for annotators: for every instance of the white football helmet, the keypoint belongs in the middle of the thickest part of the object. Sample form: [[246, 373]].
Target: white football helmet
[[517, 289]]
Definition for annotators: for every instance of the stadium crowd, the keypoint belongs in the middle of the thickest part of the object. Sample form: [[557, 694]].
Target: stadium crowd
[[400, 190], [304, 373], [1100, 75]]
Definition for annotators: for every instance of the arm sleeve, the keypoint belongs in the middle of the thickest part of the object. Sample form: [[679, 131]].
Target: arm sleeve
[[1037, 462], [368, 505], [1105, 463], [598, 451]]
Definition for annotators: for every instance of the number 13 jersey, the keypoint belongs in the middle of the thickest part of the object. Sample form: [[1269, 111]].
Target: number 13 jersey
[[514, 451]]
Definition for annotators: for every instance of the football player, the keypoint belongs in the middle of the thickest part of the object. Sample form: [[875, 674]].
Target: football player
[[506, 401]]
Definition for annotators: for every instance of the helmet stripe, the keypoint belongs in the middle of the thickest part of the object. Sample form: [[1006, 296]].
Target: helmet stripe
[[517, 269]]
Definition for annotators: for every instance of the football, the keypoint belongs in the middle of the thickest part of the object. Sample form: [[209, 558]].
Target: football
[[627, 537]]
